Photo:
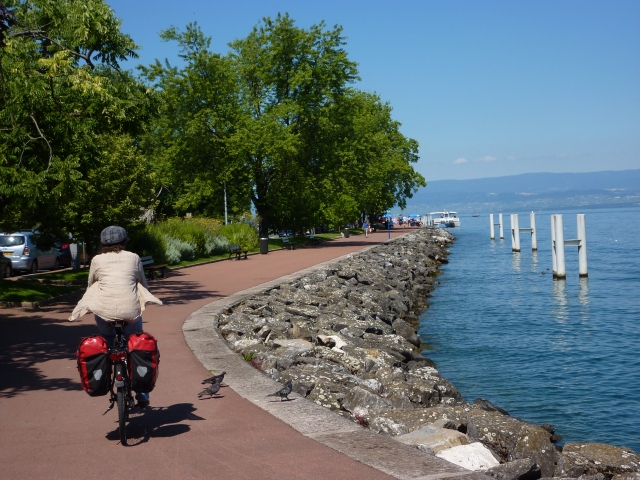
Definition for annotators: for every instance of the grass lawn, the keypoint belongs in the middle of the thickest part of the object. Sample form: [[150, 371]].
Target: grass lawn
[[67, 275], [25, 291], [31, 292]]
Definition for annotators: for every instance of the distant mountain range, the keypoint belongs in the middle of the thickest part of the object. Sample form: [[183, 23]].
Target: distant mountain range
[[530, 191]]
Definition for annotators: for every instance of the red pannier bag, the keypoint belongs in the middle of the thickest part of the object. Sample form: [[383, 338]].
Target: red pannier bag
[[94, 365], [144, 358]]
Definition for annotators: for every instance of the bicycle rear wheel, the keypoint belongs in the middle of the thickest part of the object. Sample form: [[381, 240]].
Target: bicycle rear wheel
[[123, 408]]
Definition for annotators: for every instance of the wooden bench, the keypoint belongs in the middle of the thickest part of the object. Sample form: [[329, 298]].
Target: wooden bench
[[234, 249], [287, 244], [313, 240], [149, 266]]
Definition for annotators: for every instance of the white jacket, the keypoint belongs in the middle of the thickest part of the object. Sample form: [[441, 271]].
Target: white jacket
[[117, 288]]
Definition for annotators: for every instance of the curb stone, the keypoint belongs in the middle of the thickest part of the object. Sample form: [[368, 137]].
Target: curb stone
[[312, 420]]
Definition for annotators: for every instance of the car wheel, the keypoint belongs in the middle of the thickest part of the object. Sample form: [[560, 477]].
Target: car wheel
[[34, 267], [56, 264]]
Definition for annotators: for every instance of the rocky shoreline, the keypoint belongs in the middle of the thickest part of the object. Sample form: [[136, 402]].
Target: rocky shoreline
[[346, 338]]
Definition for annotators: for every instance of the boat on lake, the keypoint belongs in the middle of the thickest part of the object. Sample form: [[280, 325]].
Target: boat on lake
[[445, 219]]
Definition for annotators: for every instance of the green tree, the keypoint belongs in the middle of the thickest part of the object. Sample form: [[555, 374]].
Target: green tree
[[277, 121], [66, 110], [289, 79], [189, 138]]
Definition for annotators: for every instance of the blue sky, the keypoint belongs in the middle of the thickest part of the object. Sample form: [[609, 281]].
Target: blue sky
[[488, 88]]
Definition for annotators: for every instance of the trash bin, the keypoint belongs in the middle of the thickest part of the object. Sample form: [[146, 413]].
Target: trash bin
[[264, 245], [346, 233]]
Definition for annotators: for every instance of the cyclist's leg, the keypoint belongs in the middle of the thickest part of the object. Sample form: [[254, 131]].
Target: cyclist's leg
[[131, 328], [106, 330]]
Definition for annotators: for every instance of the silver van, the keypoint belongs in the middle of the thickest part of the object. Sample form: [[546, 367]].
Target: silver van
[[29, 251]]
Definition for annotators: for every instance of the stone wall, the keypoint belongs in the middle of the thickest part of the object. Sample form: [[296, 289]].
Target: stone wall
[[346, 338]]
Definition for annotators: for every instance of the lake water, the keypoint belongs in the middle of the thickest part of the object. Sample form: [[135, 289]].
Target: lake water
[[560, 352]]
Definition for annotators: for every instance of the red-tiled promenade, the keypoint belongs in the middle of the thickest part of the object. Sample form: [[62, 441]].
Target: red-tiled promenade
[[49, 428]]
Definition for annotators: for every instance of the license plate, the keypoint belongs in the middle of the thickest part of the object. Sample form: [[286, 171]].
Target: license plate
[[8, 254]]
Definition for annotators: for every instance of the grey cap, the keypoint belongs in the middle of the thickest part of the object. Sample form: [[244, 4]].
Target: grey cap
[[112, 235]]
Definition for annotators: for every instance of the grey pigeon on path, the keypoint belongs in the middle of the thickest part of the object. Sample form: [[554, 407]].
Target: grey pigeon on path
[[211, 391], [216, 378], [284, 392]]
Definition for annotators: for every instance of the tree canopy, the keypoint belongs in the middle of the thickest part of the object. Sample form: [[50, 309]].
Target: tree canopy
[[279, 122], [276, 124], [69, 119]]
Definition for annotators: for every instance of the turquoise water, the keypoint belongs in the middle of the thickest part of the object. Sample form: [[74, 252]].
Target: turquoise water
[[561, 352]]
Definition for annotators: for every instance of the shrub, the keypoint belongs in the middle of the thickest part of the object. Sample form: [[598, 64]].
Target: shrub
[[177, 250], [242, 234], [146, 240], [215, 244], [193, 231]]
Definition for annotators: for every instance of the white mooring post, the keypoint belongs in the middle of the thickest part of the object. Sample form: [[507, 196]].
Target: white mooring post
[[554, 261], [582, 246], [515, 233], [558, 244], [494, 225], [534, 238]]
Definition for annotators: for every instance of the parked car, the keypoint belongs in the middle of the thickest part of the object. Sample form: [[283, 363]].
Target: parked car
[[29, 251], [5, 267], [64, 253], [285, 233]]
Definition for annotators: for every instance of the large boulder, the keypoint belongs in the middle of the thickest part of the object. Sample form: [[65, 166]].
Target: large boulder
[[432, 439], [413, 419], [522, 469], [363, 399], [511, 439], [406, 331], [474, 456], [590, 459]]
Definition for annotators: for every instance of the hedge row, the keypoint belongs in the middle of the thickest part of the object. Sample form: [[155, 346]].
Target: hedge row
[[176, 239]]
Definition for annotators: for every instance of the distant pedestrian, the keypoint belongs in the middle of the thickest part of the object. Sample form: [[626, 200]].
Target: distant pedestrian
[[365, 227]]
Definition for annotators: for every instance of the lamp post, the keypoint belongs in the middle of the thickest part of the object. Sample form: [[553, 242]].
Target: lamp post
[[226, 219]]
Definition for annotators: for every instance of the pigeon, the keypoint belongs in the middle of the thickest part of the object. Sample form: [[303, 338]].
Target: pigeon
[[211, 391], [216, 378], [284, 392]]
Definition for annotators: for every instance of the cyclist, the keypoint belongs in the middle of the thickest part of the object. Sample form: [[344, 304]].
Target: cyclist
[[117, 290]]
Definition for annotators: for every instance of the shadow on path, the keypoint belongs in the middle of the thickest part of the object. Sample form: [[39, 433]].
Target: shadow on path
[[30, 340], [156, 422]]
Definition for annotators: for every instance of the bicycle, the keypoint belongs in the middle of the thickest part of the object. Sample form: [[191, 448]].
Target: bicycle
[[119, 355]]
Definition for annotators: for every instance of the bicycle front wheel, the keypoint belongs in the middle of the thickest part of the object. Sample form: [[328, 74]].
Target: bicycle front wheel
[[122, 414]]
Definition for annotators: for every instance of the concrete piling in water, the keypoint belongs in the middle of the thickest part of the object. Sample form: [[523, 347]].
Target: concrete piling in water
[[558, 247], [515, 233], [554, 261], [493, 229], [534, 237], [558, 243], [494, 225], [582, 247]]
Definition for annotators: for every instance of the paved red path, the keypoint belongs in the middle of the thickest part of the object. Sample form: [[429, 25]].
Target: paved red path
[[50, 428]]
